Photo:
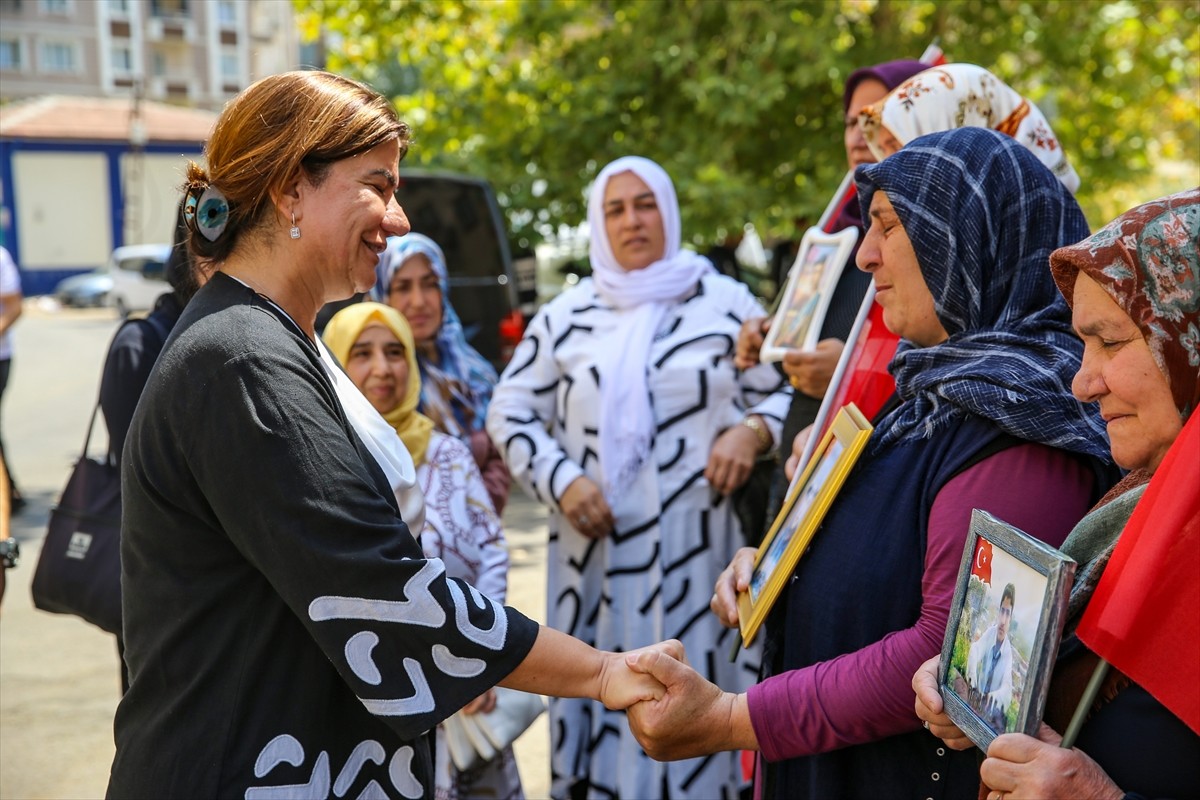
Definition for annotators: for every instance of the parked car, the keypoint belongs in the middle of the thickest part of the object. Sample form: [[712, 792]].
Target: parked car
[[138, 276], [461, 214], [89, 290]]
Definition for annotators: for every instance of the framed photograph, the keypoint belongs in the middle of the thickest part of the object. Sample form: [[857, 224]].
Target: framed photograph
[[808, 499], [810, 284], [1002, 635]]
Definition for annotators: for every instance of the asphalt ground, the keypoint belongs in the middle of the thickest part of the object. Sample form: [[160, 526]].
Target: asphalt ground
[[59, 681]]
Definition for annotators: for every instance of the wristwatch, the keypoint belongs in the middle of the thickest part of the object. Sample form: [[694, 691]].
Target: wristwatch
[[10, 553], [760, 430]]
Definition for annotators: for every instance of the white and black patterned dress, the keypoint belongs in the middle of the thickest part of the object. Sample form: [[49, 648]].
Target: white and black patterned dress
[[653, 577]]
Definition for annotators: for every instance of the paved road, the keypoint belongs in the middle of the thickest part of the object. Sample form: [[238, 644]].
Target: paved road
[[59, 682]]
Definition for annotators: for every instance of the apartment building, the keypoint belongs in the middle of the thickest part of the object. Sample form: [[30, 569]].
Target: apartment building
[[185, 52]]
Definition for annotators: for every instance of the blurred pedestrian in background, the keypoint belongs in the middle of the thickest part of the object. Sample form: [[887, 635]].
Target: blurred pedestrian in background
[[10, 310], [134, 350]]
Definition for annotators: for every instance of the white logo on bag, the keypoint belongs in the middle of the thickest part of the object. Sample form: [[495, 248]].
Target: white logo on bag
[[79, 545]]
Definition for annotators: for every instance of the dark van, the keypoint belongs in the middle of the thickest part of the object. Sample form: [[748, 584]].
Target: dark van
[[461, 214]]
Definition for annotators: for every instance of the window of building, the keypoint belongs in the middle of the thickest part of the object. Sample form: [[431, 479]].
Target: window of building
[[168, 8], [61, 7], [160, 64], [231, 68], [118, 8], [122, 58], [10, 54], [58, 57], [226, 13]]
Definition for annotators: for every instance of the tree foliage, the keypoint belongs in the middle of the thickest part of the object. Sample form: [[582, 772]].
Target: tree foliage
[[741, 101]]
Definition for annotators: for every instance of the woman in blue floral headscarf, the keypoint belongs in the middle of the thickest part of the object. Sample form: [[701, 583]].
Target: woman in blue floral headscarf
[[456, 381]]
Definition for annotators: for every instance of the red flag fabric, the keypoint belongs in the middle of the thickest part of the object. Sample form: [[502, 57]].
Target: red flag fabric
[[982, 568], [1144, 617], [866, 382]]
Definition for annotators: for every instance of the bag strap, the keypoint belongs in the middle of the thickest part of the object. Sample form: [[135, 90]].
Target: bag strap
[[163, 332], [91, 423]]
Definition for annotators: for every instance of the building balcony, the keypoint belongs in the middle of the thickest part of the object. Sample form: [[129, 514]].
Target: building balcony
[[168, 28]]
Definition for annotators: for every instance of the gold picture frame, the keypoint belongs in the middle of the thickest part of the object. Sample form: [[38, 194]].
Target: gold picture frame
[[808, 499]]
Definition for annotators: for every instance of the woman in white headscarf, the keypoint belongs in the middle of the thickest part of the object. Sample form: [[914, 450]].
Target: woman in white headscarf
[[962, 96], [623, 412]]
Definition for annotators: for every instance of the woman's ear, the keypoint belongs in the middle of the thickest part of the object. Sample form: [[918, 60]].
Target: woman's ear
[[288, 197]]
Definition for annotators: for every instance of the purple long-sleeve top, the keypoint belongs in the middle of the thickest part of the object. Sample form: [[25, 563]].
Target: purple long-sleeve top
[[867, 695]]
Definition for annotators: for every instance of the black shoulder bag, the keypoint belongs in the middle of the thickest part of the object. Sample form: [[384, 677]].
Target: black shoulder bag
[[79, 569]]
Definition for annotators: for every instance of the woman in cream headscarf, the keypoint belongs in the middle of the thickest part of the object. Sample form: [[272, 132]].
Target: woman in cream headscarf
[[622, 410], [375, 344], [962, 96]]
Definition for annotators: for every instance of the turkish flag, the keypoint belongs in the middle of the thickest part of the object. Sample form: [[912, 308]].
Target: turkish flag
[[982, 566], [1144, 618]]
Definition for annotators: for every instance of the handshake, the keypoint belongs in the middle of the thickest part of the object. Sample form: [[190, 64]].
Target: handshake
[[673, 711]]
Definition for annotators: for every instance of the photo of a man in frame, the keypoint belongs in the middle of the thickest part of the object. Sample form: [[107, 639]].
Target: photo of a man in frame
[[990, 666]]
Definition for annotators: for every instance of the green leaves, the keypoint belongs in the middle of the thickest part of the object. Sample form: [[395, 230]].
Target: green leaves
[[741, 102]]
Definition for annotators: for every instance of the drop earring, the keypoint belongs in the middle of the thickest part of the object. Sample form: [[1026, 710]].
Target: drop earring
[[295, 231]]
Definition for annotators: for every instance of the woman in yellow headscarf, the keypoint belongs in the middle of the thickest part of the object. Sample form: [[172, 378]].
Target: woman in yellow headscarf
[[375, 345]]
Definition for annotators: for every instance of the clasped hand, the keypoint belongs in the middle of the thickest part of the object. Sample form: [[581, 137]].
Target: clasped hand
[[693, 717], [621, 686]]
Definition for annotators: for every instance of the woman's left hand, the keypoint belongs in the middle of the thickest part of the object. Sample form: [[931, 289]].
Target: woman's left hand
[[1019, 766], [732, 459], [483, 704], [931, 710]]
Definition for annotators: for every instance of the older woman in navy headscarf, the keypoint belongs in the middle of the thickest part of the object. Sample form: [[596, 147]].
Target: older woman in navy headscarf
[[456, 381], [961, 225]]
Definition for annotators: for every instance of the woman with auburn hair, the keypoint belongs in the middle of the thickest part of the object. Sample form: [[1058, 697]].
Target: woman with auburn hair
[[285, 634]]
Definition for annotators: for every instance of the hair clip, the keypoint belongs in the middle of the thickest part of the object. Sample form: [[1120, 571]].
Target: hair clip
[[189, 208], [212, 213]]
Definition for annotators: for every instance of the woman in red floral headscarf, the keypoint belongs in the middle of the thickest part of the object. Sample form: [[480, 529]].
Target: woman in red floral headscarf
[[1134, 288]]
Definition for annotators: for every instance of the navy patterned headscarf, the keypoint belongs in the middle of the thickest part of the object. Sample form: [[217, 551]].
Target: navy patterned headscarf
[[983, 215]]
